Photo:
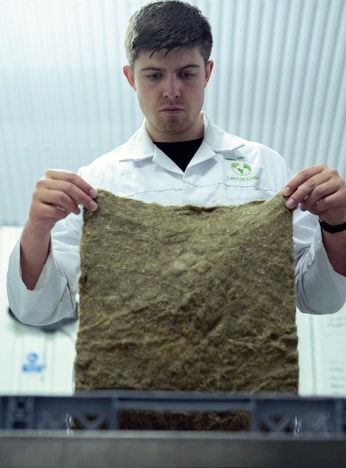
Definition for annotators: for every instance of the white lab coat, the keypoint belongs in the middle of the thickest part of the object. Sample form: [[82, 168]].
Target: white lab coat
[[226, 170]]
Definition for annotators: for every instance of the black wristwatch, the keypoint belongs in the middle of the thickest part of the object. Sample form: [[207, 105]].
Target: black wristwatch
[[332, 229]]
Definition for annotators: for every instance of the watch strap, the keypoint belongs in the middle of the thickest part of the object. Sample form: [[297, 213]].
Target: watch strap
[[332, 229]]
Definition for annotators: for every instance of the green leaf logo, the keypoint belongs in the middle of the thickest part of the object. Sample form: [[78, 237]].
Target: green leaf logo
[[241, 168]]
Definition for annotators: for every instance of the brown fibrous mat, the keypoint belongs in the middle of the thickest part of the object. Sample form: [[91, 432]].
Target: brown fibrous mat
[[187, 298]]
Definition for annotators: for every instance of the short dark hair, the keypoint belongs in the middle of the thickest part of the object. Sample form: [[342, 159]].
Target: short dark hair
[[167, 24]]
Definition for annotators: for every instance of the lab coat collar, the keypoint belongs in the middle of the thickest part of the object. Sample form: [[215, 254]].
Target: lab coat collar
[[139, 147], [219, 140]]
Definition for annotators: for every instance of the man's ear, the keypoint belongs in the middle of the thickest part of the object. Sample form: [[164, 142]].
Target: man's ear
[[127, 70], [208, 70]]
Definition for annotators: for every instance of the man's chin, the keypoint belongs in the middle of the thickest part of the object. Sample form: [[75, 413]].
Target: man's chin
[[172, 127]]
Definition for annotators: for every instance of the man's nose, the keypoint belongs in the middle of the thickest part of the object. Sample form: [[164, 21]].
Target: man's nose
[[171, 87]]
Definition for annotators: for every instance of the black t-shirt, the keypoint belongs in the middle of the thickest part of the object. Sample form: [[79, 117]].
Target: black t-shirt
[[181, 152]]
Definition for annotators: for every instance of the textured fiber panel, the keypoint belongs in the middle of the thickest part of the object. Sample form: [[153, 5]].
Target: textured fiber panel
[[187, 298]]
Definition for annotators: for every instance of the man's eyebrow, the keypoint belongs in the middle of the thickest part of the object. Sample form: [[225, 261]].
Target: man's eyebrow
[[153, 68]]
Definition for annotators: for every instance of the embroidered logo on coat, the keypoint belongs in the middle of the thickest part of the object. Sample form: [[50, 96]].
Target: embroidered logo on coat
[[242, 169]]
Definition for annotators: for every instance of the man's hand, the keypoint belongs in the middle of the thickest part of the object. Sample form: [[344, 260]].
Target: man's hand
[[320, 190], [56, 195]]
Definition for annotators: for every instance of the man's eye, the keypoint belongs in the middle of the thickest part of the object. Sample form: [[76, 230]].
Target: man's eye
[[186, 75], [154, 76]]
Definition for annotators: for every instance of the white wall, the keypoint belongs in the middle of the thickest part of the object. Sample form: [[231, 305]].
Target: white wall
[[279, 78]]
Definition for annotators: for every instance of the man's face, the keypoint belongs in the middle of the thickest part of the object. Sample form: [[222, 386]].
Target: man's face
[[170, 89]]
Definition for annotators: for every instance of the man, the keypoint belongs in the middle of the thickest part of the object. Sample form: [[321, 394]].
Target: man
[[177, 157]]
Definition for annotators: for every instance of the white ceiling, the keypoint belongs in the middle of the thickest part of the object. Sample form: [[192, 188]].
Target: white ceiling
[[279, 78]]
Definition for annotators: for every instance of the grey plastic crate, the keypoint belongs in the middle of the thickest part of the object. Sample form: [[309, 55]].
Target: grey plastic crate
[[100, 410]]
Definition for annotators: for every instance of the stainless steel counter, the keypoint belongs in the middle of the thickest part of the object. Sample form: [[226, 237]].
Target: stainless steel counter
[[32, 449]]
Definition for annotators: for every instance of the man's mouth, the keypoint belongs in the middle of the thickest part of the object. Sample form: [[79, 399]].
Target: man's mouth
[[172, 110]]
